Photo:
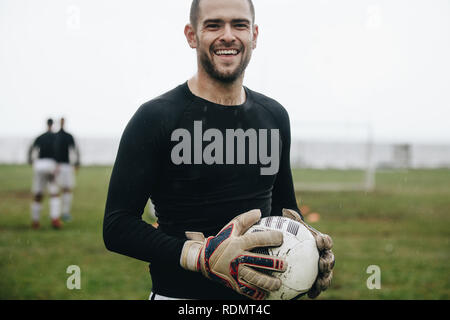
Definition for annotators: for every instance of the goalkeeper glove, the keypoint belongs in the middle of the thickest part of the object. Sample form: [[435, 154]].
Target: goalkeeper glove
[[326, 257], [226, 258]]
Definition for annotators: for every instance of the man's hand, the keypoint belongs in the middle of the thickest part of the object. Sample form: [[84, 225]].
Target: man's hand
[[326, 257], [226, 258]]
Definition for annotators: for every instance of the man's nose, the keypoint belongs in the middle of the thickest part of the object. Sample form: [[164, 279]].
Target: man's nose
[[228, 35]]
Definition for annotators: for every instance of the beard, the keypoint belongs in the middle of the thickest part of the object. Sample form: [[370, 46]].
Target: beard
[[224, 76]]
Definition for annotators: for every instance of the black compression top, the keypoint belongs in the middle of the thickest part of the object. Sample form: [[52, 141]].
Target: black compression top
[[45, 144], [190, 197], [63, 142]]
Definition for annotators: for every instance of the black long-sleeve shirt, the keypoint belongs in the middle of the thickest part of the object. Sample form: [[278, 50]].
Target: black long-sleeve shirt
[[45, 144], [64, 141], [190, 197]]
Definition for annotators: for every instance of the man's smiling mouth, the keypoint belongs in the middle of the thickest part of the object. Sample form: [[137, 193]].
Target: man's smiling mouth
[[226, 52]]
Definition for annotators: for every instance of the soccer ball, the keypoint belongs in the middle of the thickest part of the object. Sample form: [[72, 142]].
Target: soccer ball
[[299, 249]]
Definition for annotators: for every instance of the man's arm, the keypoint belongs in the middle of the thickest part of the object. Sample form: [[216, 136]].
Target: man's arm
[[30, 152], [134, 178], [76, 151]]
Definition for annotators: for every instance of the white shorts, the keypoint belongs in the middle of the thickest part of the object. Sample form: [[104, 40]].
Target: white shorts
[[44, 176], [154, 296], [66, 176]]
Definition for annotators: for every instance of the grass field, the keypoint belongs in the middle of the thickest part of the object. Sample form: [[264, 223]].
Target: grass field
[[403, 227]]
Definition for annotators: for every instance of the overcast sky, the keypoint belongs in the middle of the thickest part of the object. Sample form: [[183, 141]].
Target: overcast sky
[[340, 67]]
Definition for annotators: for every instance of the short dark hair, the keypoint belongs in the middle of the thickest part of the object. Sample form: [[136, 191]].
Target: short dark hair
[[195, 8], [49, 121]]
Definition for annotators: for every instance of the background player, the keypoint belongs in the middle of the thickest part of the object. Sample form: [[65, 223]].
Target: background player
[[218, 200], [64, 145], [44, 167]]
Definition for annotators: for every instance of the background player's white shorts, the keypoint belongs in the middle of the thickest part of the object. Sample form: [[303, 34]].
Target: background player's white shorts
[[44, 176], [66, 176]]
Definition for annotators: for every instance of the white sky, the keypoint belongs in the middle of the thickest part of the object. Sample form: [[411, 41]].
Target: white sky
[[338, 66]]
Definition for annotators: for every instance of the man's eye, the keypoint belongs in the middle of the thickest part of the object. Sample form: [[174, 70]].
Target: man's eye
[[241, 26], [212, 26]]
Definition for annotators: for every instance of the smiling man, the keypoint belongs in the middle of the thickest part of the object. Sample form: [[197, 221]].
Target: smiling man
[[200, 152]]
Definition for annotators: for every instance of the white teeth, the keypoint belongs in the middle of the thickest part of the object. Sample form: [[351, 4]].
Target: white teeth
[[226, 52]]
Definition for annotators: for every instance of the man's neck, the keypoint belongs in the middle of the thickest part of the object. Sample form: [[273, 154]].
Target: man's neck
[[212, 90]]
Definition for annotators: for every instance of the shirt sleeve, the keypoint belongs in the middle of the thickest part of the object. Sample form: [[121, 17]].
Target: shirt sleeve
[[30, 150], [133, 179], [283, 193], [76, 150]]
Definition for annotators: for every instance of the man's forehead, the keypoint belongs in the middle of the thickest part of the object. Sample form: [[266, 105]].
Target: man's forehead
[[224, 10]]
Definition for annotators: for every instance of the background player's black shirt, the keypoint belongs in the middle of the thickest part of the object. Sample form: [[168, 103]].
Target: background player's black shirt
[[189, 197], [63, 142], [45, 143]]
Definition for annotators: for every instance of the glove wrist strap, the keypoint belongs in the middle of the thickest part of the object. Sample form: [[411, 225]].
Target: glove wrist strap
[[189, 255]]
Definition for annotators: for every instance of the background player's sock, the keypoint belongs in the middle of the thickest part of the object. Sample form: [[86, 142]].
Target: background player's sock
[[55, 207], [66, 203], [36, 208]]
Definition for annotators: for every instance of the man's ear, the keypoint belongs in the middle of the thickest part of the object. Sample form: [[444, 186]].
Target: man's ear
[[255, 36], [189, 32]]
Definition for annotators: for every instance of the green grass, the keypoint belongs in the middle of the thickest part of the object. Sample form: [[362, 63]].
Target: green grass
[[402, 227]]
